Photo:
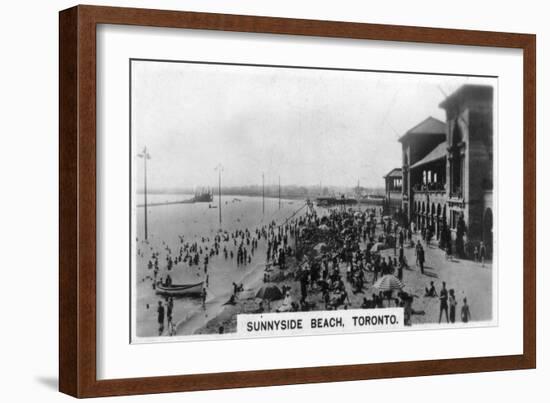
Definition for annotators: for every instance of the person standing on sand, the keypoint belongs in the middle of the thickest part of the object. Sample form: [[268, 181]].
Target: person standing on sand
[[465, 312], [203, 298], [169, 308], [482, 252], [452, 305], [443, 305], [303, 287], [420, 256], [160, 318], [171, 329], [376, 269]]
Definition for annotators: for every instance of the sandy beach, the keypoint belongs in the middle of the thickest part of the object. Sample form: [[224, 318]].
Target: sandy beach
[[468, 279]]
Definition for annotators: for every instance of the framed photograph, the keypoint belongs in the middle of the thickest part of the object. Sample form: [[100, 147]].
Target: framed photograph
[[254, 201]]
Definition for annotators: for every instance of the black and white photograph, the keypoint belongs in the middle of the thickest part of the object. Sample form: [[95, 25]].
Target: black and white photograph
[[288, 200], [275, 201]]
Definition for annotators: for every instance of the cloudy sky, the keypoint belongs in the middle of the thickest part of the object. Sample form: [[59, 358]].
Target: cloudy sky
[[305, 125]]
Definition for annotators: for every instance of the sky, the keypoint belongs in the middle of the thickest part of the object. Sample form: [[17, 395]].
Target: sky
[[308, 126]]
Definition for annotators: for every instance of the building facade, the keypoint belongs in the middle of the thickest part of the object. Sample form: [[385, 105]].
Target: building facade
[[448, 172], [394, 192]]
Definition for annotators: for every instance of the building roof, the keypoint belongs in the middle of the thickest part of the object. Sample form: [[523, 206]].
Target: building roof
[[468, 92], [429, 126], [439, 152], [394, 173]]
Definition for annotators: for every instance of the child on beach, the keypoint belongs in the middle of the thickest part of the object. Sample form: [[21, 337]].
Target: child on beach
[[169, 309], [452, 305], [171, 328], [160, 312], [443, 303], [465, 312], [431, 292], [203, 298]]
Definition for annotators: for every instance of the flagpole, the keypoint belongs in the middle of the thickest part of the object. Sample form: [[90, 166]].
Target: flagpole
[[145, 155], [219, 168], [279, 192]]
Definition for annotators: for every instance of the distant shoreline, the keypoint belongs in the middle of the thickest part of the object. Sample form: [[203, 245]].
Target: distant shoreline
[[191, 201], [283, 197]]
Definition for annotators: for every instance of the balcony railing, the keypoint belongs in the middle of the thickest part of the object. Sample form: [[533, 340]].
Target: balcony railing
[[430, 187]]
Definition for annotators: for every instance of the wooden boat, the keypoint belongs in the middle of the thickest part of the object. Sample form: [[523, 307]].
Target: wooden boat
[[180, 289]]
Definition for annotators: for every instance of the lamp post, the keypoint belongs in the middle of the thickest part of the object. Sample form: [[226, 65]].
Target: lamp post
[[219, 168], [146, 156], [279, 192]]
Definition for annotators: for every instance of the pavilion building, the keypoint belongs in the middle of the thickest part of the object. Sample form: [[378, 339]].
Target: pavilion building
[[394, 192], [447, 173]]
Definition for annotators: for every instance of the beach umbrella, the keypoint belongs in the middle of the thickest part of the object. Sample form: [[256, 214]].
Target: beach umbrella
[[377, 247], [270, 293], [388, 283], [320, 246]]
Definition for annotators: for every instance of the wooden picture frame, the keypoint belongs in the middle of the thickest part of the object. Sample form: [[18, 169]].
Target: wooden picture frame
[[77, 200]]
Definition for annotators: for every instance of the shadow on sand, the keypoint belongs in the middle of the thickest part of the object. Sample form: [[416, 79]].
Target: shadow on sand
[[430, 273]]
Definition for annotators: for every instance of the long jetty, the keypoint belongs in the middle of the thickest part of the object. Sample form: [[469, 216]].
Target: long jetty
[[166, 203]]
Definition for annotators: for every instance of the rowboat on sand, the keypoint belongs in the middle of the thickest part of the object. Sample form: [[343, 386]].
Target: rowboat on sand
[[180, 289]]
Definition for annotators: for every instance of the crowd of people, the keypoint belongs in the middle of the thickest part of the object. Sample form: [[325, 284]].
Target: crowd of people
[[448, 303], [330, 255], [350, 263]]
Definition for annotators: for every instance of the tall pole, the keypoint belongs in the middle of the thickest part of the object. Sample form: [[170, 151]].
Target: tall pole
[[263, 194], [389, 200], [279, 192], [220, 195], [145, 155], [219, 168], [145, 193]]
